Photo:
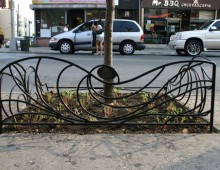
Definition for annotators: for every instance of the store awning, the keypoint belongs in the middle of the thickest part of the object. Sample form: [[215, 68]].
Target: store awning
[[165, 15]]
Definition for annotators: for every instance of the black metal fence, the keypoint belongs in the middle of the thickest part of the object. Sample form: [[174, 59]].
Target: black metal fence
[[177, 93]]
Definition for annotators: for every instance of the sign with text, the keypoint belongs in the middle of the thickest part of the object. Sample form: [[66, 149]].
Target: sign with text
[[69, 1], [200, 4]]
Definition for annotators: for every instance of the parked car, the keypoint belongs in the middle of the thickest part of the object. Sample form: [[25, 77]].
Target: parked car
[[17, 39], [128, 36], [192, 43]]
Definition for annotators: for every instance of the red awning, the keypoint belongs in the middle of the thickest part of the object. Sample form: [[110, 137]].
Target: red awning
[[165, 15]]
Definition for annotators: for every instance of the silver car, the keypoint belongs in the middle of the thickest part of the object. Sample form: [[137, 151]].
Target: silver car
[[17, 39], [128, 36], [206, 38]]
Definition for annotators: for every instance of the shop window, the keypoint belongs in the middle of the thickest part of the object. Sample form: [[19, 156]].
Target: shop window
[[194, 15], [95, 14], [206, 15], [165, 22], [50, 22]]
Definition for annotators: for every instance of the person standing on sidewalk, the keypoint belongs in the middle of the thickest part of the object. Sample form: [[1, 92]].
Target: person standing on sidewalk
[[97, 28], [66, 28]]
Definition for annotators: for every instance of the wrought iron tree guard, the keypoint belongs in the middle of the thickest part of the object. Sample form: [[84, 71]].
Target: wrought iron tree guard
[[66, 97]]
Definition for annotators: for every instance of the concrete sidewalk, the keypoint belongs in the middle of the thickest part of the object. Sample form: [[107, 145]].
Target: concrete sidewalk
[[110, 152], [39, 50]]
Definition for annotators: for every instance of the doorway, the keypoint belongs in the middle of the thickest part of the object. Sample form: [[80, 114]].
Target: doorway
[[185, 20], [179, 22], [75, 17]]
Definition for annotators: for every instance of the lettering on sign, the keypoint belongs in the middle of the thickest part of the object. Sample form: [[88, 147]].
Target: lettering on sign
[[176, 3]]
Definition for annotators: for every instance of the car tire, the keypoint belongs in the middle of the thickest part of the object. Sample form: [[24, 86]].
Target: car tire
[[180, 52], [127, 48], [66, 47], [193, 48]]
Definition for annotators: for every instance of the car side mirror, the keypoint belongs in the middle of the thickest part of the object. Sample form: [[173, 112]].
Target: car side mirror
[[213, 28]]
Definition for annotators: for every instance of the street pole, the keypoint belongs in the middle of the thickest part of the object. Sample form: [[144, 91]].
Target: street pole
[[12, 41], [29, 28], [18, 25]]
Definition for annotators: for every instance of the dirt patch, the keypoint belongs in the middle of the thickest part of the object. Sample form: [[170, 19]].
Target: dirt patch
[[161, 123]]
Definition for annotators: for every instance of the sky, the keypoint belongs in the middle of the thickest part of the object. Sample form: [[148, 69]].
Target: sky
[[25, 11], [24, 8]]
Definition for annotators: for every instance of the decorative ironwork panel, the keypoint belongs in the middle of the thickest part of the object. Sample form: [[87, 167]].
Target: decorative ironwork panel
[[171, 94]]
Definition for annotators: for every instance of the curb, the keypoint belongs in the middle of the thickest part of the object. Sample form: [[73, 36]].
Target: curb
[[47, 50]]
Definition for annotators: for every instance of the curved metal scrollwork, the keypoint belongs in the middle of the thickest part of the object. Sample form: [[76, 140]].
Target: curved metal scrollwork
[[174, 93]]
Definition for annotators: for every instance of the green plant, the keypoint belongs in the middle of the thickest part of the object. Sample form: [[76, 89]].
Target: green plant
[[67, 95], [49, 97], [116, 90], [172, 108], [145, 96]]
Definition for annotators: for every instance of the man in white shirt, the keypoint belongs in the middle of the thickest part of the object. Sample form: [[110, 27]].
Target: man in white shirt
[[66, 28]]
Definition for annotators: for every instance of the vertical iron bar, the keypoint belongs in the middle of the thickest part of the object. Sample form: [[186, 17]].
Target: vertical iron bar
[[213, 97], [1, 104]]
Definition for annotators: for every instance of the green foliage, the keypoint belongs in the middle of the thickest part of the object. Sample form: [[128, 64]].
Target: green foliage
[[172, 108], [116, 90], [158, 107]]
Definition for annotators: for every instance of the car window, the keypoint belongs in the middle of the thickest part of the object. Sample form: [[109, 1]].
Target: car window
[[85, 27], [125, 26], [206, 25], [217, 24]]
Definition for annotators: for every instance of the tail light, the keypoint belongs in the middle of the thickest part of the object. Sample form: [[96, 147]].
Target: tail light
[[142, 37]]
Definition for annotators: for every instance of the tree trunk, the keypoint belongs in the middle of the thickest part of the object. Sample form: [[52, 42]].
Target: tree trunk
[[109, 16]]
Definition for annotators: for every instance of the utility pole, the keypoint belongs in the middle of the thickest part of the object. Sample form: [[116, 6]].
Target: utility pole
[[12, 41], [29, 28], [18, 22]]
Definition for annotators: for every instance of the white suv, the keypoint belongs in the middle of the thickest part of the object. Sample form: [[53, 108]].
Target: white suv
[[128, 36], [207, 38]]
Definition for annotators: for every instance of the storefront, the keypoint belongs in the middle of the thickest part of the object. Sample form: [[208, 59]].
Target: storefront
[[52, 15], [128, 9], [159, 18], [165, 17]]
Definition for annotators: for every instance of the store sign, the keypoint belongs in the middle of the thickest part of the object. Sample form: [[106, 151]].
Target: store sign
[[2, 3], [176, 3], [68, 1], [211, 4]]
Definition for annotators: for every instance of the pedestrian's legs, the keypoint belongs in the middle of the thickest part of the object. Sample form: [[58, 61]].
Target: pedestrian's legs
[[97, 46], [101, 47]]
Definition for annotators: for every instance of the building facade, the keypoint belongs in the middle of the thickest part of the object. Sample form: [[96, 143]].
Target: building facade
[[165, 17], [158, 18], [21, 22], [52, 15]]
